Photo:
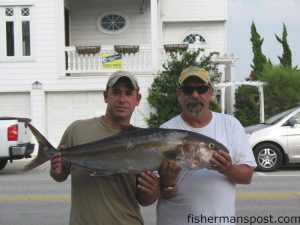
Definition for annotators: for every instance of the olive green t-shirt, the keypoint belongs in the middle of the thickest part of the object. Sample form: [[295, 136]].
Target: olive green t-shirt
[[99, 200]]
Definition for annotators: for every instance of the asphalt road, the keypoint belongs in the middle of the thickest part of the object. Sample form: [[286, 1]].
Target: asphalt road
[[33, 198]]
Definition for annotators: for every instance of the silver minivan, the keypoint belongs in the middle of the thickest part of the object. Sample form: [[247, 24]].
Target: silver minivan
[[277, 141]]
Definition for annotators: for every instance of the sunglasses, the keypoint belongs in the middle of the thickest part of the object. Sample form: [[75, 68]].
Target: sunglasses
[[189, 90]]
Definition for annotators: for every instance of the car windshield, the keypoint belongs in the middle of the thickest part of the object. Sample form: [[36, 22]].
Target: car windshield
[[274, 119]]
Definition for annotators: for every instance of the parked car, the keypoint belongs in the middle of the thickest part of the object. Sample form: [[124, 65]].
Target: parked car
[[15, 140], [277, 141]]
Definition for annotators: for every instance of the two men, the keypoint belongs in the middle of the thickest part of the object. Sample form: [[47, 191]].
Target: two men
[[114, 199]]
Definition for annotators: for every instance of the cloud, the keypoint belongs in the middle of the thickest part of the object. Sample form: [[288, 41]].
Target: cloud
[[268, 11]]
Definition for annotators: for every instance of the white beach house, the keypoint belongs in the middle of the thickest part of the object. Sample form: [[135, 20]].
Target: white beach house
[[55, 55]]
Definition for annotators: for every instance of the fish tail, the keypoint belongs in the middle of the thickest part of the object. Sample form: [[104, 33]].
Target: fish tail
[[45, 151]]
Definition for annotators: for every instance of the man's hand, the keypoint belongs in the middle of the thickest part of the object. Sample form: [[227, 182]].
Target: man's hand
[[57, 169], [148, 188], [221, 161], [168, 173]]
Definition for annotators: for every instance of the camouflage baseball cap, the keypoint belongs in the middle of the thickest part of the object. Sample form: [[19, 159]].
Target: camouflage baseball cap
[[114, 77]]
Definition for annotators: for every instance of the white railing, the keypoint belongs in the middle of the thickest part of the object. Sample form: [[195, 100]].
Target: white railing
[[141, 61], [93, 63]]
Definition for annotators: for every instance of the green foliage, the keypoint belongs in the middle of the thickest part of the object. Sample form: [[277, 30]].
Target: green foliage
[[259, 59], [282, 89], [247, 105], [247, 98], [286, 58], [162, 93], [281, 92], [214, 106]]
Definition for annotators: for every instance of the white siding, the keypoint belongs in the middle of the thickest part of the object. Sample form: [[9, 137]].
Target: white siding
[[212, 32], [194, 10], [143, 110], [65, 107], [45, 51], [84, 31], [15, 104]]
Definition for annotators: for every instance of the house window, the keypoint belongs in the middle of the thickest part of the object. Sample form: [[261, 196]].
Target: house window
[[26, 38], [192, 38], [10, 39], [25, 12], [16, 34], [112, 22], [9, 12]]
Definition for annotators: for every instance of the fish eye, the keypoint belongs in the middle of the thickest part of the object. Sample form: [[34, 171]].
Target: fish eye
[[211, 145]]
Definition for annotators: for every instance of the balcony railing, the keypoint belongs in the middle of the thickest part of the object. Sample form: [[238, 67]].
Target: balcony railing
[[95, 59], [99, 59]]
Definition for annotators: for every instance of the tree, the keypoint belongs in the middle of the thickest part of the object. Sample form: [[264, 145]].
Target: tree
[[247, 105], [162, 93], [247, 98], [282, 83], [282, 89], [286, 58], [259, 59]]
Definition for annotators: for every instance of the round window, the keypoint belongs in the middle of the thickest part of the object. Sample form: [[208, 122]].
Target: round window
[[112, 22]]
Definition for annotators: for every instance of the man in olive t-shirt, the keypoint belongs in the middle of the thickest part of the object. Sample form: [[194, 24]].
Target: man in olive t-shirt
[[111, 199]]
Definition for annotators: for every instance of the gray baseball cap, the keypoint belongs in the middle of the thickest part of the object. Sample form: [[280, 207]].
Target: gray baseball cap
[[114, 77]]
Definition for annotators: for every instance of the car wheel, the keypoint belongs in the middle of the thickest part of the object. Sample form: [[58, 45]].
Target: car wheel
[[268, 157], [3, 163]]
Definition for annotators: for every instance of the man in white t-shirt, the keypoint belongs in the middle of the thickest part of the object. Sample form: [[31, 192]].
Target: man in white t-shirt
[[205, 196]]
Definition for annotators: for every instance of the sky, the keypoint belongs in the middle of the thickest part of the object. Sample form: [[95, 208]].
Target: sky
[[268, 16]]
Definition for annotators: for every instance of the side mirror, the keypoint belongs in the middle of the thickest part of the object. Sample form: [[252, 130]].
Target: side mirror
[[292, 122]]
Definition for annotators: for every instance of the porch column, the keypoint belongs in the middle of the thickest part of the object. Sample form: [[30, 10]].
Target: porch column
[[230, 92], [154, 36], [60, 21], [262, 104], [37, 102], [223, 99]]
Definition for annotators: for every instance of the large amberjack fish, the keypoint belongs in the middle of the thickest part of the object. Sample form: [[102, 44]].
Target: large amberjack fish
[[133, 151]]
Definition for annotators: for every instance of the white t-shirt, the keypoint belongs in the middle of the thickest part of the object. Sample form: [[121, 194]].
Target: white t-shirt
[[206, 196]]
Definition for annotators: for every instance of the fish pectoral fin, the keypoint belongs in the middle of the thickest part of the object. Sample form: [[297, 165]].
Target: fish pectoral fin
[[171, 154]]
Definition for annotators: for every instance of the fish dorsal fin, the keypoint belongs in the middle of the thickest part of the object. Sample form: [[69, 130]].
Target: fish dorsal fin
[[129, 128]]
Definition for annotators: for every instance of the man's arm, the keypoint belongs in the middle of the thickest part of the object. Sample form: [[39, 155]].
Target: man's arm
[[240, 174], [168, 173], [147, 188]]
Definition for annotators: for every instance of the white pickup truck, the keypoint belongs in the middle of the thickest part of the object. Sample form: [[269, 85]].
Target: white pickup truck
[[15, 140]]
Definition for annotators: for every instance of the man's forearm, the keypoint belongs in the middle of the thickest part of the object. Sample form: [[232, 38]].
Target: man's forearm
[[144, 199], [240, 174]]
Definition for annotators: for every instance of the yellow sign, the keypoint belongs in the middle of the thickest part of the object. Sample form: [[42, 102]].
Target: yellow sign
[[111, 61]]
